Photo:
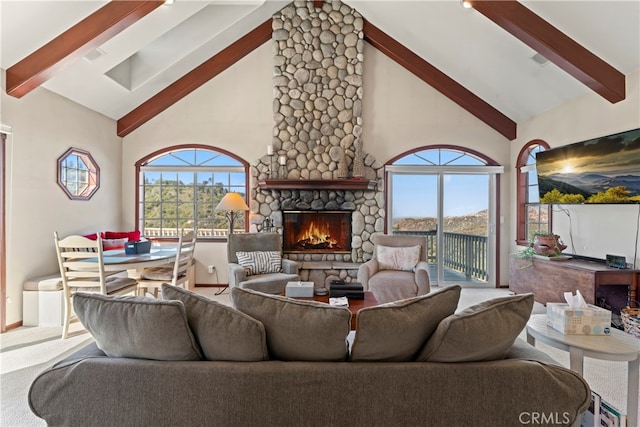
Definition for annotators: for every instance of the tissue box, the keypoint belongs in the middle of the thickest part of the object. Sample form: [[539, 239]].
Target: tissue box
[[139, 247], [592, 320], [299, 290]]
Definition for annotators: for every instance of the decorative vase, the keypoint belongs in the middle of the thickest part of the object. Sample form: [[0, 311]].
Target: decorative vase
[[358, 163], [548, 244], [343, 168]]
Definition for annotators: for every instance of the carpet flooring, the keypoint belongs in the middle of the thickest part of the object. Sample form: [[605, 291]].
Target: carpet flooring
[[27, 351], [21, 361]]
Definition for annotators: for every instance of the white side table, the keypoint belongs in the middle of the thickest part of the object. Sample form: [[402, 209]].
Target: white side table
[[619, 346]]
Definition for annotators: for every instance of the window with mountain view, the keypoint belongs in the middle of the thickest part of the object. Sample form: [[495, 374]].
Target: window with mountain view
[[180, 187], [447, 194]]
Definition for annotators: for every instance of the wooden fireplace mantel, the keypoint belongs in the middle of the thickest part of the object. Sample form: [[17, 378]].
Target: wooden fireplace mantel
[[318, 184]]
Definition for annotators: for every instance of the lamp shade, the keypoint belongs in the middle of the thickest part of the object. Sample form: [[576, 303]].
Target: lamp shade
[[232, 202]]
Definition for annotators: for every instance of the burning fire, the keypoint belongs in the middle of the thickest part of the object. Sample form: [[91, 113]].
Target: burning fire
[[316, 235]]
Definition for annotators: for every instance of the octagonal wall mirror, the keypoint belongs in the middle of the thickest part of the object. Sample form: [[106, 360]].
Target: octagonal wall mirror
[[78, 174]]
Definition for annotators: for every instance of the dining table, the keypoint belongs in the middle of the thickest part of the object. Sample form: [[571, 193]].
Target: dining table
[[118, 259], [158, 256]]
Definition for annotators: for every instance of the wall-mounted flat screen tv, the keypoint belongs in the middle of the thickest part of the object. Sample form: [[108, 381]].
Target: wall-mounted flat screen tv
[[600, 170]]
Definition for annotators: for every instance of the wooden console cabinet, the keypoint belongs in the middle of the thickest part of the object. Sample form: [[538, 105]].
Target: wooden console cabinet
[[549, 280]]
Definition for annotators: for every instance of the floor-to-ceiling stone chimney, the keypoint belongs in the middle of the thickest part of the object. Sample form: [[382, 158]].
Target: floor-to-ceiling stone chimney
[[318, 68]]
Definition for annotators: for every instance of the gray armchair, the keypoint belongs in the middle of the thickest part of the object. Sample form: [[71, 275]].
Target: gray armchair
[[271, 283], [393, 284]]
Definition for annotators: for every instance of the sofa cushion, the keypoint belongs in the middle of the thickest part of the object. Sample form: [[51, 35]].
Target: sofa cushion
[[137, 327], [484, 331], [396, 331], [397, 258], [297, 330], [260, 262], [223, 332], [51, 282]]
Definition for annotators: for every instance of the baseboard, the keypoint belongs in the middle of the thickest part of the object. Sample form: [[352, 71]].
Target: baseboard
[[13, 326], [211, 285]]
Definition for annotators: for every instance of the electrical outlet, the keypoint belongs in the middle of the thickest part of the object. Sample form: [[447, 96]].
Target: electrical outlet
[[211, 268]]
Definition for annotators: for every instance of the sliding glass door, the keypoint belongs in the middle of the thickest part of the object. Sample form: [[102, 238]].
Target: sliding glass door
[[465, 229], [454, 207]]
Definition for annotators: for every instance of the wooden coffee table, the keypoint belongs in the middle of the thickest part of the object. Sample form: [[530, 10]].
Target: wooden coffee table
[[355, 305]]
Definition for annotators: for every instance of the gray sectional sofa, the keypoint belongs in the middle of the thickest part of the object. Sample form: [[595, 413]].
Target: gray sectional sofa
[[91, 389], [271, 361]]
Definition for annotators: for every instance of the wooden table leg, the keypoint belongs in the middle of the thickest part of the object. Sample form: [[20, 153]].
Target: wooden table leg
[[576, 360]]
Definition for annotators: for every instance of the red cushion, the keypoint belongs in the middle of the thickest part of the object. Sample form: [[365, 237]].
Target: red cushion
[[133, 236], [93, 236]]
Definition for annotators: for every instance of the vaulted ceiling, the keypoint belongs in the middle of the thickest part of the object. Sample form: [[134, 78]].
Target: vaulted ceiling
[[504, 61]]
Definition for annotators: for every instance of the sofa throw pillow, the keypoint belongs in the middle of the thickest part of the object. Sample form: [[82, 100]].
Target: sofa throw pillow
[[223, 332], [132, 236], [297, 330], [396, 331], [482, 332], [93, 236], [109, 244], [137, 327], [397, 258], [260, 262]]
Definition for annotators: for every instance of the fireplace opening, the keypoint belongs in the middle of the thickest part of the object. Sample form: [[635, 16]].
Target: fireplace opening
[[316, 231]]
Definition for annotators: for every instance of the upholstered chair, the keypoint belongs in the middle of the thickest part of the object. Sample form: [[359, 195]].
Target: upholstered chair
[[255, 262], [398, 269]]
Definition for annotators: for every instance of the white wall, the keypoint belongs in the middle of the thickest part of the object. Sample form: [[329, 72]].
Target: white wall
[[44, 126], [401, 112], [232, 112], [601, 229]]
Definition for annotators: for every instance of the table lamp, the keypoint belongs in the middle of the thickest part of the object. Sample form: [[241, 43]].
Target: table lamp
[[232, 202]]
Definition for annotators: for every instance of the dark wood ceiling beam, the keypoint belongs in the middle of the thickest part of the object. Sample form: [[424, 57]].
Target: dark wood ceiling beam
[[439, 81], [77, 41], [556, 46], [194, 79]]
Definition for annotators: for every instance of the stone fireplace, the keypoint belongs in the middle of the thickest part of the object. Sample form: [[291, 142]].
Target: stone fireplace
[[318, 62], [316, 232]]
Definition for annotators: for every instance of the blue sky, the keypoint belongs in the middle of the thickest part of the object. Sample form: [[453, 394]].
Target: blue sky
[[416, 195]]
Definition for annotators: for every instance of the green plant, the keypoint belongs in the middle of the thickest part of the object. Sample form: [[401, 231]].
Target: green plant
[[527, 252]]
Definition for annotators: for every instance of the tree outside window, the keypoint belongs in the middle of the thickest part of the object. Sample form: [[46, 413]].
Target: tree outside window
[[180, 187]]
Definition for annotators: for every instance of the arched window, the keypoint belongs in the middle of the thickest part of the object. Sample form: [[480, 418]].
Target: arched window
[[179, 187], [532, 216], [442, 156]]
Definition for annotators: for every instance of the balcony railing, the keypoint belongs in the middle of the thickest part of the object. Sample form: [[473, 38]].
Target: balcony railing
[[171, 232], [463, 253]]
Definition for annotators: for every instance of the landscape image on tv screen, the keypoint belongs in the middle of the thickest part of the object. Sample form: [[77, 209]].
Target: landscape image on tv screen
[[600, 170]]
